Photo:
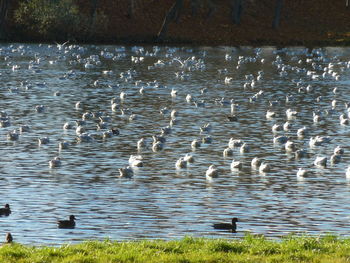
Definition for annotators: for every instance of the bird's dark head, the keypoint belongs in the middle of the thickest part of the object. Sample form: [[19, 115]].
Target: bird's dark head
[[234, 220], [7, 206], [71, 218]]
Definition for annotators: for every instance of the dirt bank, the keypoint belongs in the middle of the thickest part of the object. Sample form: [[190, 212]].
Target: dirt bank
[[303, 22]]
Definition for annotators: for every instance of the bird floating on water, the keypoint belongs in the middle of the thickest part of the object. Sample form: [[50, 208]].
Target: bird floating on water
[[181, 163], [5, 211], [256, 162], [234, 143], [264, 167], [302, 172], [212, 172], [236, 165], [227, 152], [320, 161], [67, 223], [126, 172], [195, 144], [232, 118], [189, 158], [136, 161], [227, 226], [55, 163]]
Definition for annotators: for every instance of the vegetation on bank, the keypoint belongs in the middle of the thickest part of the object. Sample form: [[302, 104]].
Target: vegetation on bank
[[251, 248], [58, 19], [198, 22], [48, 17]]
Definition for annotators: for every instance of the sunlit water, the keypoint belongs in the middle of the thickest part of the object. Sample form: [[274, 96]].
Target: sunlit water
[[160, 201]]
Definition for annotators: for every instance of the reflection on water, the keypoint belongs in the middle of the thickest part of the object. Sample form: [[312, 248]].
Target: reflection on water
[[161, 201]]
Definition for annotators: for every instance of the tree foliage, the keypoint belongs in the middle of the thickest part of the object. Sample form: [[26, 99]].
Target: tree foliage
[[58, 19], [49, 17]]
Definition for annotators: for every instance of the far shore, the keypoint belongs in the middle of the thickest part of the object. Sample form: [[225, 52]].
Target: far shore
[[187, 42], [308, 23]]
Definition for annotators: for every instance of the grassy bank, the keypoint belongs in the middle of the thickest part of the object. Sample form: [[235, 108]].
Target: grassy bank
[[248, 249]]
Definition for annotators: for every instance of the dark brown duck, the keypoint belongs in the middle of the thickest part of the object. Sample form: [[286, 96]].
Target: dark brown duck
[[67, 223], [5, 211], [227, 226]]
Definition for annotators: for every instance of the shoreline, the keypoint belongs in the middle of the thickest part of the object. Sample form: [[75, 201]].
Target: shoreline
[[187, 42], [308, 23]]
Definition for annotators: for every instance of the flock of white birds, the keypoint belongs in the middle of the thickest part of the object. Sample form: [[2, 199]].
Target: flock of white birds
[[318, 66]]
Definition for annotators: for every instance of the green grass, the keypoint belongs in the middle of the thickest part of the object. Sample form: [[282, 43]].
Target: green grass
[[251, 248]]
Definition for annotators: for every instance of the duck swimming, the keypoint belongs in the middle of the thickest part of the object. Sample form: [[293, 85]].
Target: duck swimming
[[244, 148], [40, 108], [165, 130], [338, 150], [256, 162], [67, 223], [234, 143], [126, 172], [84, 137], [141, 144], [44, 140], [24, 128], [55, 163], [173, 93], [67, 126], [227, 152], [195, 143], [319, 140], [320, 161], [206, 128], [157, 146], [236, 165], [63, 145], [300, 153], [335, 158], [232, 118], [207, 140], [189, 158], [276, 128], [302, 172], [264, 167], [5, 211], [181, 163], [280, 139], [291, 114], [80, 130], [287, 126], [13, 136], [227, 226], [136, 161], [212, 172], [270, 114], [290, 146], [302, 132], [173, 114]]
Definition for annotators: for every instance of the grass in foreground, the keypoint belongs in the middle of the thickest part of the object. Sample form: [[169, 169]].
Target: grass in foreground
[[248, 249]]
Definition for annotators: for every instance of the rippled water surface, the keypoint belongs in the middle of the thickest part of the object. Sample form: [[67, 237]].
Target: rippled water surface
[[160, 201]]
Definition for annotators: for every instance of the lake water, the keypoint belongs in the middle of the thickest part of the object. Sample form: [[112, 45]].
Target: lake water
[[160, 201]]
